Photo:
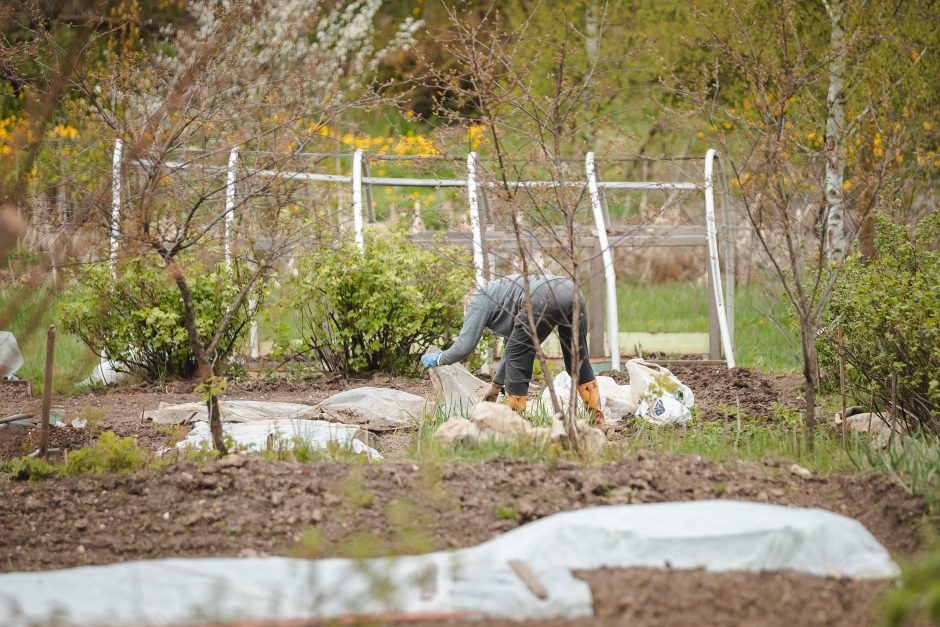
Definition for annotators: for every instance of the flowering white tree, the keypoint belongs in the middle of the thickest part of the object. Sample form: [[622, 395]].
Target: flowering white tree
[[263, 75], [304, 49]]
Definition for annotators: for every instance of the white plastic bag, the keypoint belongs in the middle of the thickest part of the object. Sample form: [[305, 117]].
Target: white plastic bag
[[616, 400], [661, 397], [11, 359]]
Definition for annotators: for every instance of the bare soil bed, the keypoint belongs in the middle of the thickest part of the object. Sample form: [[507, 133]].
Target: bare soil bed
[[120, 409], [645, 597], [245, 506]]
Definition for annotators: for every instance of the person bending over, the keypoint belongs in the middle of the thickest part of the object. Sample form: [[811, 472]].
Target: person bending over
[[500, 306]]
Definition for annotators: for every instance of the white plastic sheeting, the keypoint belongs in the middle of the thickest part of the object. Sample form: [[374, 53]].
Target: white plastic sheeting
[[372, 408], [255, 435], [377, 409], [105, 373], [11, 359], [457, 388], [716, 535], [232, 411]]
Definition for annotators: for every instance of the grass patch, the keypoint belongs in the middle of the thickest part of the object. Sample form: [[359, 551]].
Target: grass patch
[[73, 361], [916, 599], [727, 441], [683, 307]]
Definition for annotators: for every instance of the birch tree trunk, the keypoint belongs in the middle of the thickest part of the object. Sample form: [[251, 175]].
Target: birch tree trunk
[[835, 127], [592, 46]]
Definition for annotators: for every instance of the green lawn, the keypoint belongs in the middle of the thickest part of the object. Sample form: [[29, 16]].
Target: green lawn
[[73, 361], [671, 307]]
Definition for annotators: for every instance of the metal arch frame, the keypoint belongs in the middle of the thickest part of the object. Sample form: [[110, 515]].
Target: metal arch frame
[[712, 237], [357, 180], [610, 277]]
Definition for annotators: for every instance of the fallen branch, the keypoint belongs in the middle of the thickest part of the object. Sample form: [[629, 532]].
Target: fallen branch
[[15, 417]]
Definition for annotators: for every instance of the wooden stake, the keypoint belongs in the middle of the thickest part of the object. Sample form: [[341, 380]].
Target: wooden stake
[[845, 441], [532, 582], [47, 392]]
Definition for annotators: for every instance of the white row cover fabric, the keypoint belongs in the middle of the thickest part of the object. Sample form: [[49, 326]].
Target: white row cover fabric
[[716, 535], [232, 411], [106, 373], [376, 409], [457, 388], [254, 435]]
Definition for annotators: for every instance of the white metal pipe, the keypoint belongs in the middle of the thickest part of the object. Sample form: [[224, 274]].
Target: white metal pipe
[[430, 182], [475, 218], [711, 236], [230, 204], [357, 198], [253, 329], [610, 277], [116, 202]]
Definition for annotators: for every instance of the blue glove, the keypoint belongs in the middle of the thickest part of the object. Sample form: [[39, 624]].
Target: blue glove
[[431, 360]]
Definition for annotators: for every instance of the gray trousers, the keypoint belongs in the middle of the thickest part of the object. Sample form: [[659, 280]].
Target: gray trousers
[[552, 307]]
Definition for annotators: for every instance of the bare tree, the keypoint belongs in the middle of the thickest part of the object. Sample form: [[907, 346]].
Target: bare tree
[[785, 170], [533, 127], [226, 86]]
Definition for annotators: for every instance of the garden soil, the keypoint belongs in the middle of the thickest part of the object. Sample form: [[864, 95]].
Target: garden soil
[[646, 597], [244, 506]]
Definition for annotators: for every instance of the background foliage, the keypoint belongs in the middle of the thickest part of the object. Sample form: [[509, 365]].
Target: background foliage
[[380, 310], [889, 308], [136, 319]]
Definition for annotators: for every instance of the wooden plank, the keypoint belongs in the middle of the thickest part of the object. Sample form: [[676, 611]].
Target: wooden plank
[[532, 582]]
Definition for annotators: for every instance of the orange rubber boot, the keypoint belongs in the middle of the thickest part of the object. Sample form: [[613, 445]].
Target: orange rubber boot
[[516, 402], [591, 395]]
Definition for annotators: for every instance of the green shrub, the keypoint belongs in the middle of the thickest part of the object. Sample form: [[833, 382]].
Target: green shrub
[[918, 594], [889, 308], [379, 310], [108, 454], [138, 319], [27, 468]]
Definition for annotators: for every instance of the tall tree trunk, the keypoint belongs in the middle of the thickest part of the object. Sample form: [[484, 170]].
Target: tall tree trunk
[[204, 370], [592, 46], [215, 424], [835, 127]]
